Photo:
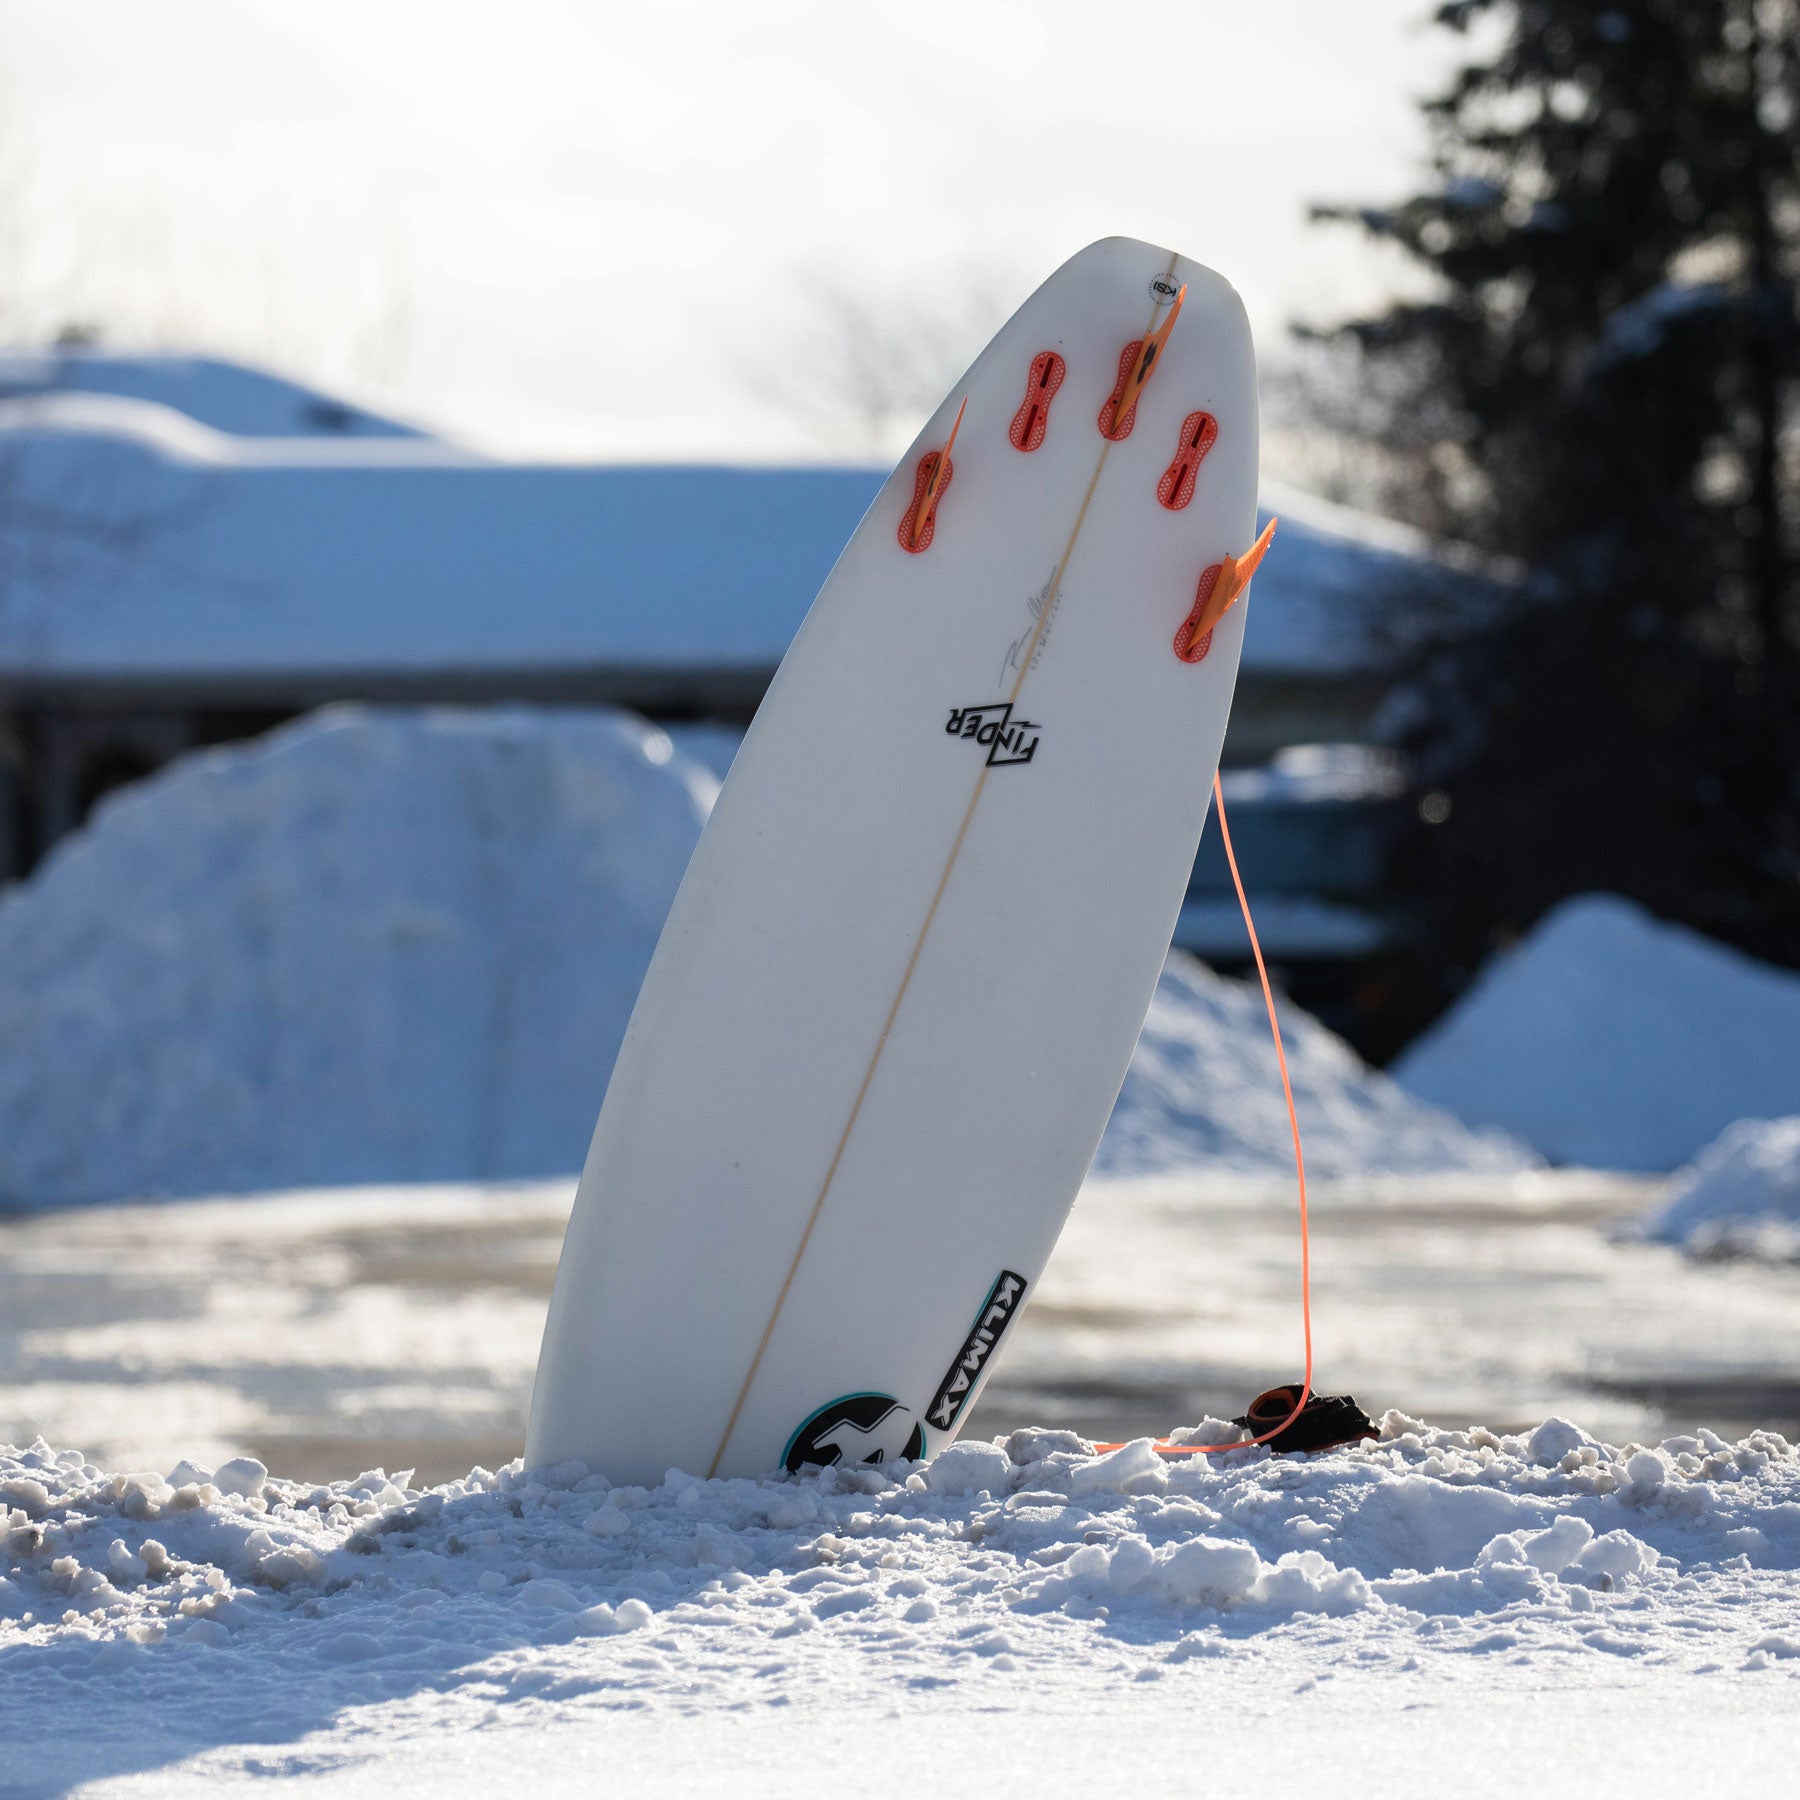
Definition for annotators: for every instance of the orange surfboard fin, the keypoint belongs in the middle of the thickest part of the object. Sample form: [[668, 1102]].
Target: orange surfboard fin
[[925, 507], [1142, 368], [1193, 636], [1234, 577]]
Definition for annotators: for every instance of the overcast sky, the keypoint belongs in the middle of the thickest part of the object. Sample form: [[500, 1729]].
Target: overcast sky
[[585, 228]]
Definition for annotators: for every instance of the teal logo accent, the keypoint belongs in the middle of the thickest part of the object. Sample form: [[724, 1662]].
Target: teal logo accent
[[856, 1428]]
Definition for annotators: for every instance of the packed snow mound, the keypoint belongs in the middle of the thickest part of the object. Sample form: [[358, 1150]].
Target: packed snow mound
[[1739, 1197], [217, 1605], [1609, 1038], [403, 946], [371, 946], [1204, 1086]]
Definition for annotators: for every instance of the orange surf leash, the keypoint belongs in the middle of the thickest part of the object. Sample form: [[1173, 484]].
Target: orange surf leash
[[1162, 1444]]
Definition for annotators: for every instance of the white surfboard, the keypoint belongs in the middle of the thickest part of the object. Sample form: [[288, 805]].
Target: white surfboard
[[897, 993]]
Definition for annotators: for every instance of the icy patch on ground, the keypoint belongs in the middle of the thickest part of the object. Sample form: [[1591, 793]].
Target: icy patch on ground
[[1739, 1197], [1204, 1086], [372, 946], [218, 1606], [1611, 1039]]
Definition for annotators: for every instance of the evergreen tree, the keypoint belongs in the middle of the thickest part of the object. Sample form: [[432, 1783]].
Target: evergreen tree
[[1608, 362]]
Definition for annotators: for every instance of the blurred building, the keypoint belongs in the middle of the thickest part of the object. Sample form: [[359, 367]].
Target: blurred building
[[193, 551]]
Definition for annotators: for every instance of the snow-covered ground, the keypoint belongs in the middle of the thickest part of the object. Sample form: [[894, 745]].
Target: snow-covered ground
[[1454, 1604], [1612, 1619], [1610, 1038]]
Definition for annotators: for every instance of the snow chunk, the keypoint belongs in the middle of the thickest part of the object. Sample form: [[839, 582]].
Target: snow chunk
[[1613, 1556], [1133, 1468], [124, 1563], [26, 1493], [724, 1549], [1553, 1440], [607, 1621], [1207, 1572], [281, 1565], [1033, 1443], [1303, 1581], [1558, 1545], [969, 1468], [551, 1594], [243, 1475]]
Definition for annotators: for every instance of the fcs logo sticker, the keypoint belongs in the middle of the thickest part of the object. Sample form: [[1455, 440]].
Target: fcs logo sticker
[[858, 1428], [998, 1311]]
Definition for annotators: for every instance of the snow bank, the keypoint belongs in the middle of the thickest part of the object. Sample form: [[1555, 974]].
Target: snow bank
[[279, 1605], [393, 946], [371, 946], [1204, 1086], [1739, 1197], [1609, 1038]]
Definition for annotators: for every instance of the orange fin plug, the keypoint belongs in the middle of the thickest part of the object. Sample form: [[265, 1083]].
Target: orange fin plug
[[1032, 419], [935, 473], [1116, 415], [1221, 584], [1199, 432]]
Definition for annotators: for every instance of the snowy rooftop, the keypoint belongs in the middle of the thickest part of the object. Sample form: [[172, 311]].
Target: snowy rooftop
[[229, 397], [223, 523]]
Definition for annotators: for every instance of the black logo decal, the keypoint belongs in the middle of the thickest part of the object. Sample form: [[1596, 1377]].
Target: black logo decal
[[859, 1428], [1006, 739], [997, 1312], [1163, 289]]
